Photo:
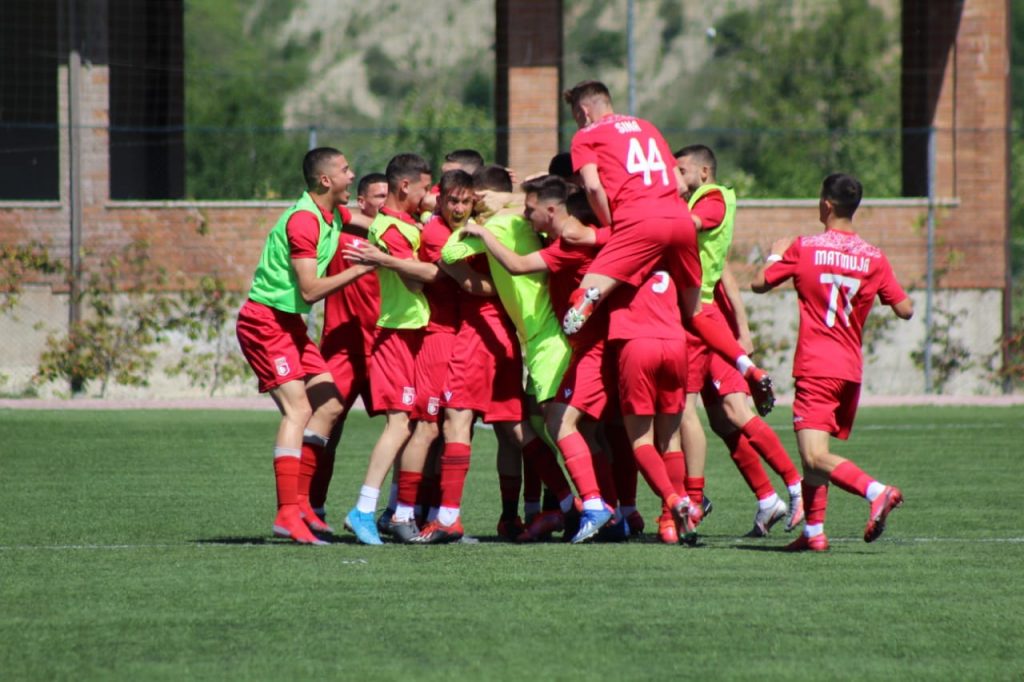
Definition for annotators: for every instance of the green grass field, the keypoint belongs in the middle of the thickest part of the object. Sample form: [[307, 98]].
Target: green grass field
[[136, 545]]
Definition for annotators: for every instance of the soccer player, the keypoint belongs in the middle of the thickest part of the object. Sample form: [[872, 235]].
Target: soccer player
[[633, 187], [713, 209], [404, 313], [837, 276], [350, 324], [289, 278]]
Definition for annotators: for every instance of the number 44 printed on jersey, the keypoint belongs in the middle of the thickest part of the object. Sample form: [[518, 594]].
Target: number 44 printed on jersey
[[648, 164]]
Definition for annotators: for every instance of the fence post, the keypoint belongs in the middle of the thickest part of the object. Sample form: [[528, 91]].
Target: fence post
[[930, 265]]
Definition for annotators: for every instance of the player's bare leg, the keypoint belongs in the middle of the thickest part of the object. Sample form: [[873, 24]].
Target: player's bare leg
[[458, 438], [563, 422], [360, 520], [695, 449], [409, 471], [593, 289], [325, 402]]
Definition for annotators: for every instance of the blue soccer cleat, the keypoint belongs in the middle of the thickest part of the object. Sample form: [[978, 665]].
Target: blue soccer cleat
[[364, 526], [591, 521]]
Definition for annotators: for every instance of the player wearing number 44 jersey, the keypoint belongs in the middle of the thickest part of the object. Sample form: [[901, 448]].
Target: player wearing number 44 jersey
[[837, 276], [631, 187]]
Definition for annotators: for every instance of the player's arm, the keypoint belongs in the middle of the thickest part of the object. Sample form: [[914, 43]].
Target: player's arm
[[468, 279], [596, 195], [515, 263], [709, 211], [409, 269], [732, 292], [359, 221], [904, 309], [759, 284], [313, 288]]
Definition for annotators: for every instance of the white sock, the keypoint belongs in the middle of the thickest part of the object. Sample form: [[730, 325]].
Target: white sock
[[566, 504], [817, 529], [367, 502], [768, 502], [874, 490], [593, 504], [446, 516], [795, 490], [743, 363], [403, 513]]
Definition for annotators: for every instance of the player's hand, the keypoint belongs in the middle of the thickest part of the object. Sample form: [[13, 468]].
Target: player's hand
[[779, 246], [364, 252]]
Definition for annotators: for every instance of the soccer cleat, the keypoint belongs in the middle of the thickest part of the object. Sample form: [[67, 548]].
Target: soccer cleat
[[289, 524], [312, 519], [760, 390], [796, 512], [542, 526], [706, 505], [883, 505], [404, 531], [384, 522], [668, 532], [616, 530], [636, 523], [581, 307], [591, 521], [364, 527], [816, 543], [510, 529], [436, 533], [764, 519], [572, 520]]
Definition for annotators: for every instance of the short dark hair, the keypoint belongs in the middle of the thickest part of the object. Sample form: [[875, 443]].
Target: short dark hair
[[580, 209], [492, 177], [548, 187], [701, 153], [561, 165], [405, 167], [586, 90], [455, 179], [313, 164], [367, 180], [469, 159], [844, 192]]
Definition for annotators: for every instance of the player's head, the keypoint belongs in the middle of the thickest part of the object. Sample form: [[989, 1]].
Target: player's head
[[840, 196], [492, 177], [408, 180], [456, 198], [697, 164], [561, 165], [463, 159], [371, 193], [544, 204], [589, 101], [326, 170], [579, 208]]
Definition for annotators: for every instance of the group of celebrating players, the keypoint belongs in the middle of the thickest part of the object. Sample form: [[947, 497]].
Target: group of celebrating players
[[581, 316]]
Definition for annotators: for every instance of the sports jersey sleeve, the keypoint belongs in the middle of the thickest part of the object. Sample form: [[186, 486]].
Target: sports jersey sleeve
[[346, 215], [602, 235], [779, 271], [710, 208], [460, 247], [889, 290], [303, 230], [559, 258], [397, 245], [582, 153]]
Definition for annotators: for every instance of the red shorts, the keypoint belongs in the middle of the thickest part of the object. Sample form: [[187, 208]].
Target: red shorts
[[393, 369], [276, 345], [652, 373], [585, 384], [350, 374], [485, 373], [825, 404], [431, 370], [635, 248], [722, 379]]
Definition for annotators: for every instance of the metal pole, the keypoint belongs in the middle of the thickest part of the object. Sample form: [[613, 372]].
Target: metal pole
[[930, 274], [74, 192], [631, 57]]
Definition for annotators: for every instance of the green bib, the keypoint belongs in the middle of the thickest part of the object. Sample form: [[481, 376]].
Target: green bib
[[400, 308], [714, 244]]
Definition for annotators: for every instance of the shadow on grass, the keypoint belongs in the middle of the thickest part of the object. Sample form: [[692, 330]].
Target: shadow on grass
[[330, 538]]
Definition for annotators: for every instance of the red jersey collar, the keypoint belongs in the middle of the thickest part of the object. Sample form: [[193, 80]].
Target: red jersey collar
[[400, 215]]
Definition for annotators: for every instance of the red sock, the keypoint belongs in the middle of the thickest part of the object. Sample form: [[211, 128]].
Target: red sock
[[749, 464], [454, 467], [580, 465], [815, 502], [322, 478], [545, 463], [652, 466], [409, 487], [695, 488], [307, 468], [531, 483], [623, 464], [429, 494], [605, 479], [675, 466], [850, 478], [286, 475], [764, 439], [716, 335]]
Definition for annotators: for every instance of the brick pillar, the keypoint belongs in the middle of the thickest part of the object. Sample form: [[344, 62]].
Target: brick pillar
[[528, 82]]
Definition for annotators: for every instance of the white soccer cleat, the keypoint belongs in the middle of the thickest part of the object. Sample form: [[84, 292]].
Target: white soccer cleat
[[766, 518]]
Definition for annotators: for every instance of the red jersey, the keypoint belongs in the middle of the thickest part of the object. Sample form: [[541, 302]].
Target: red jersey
[[837, 276], [443, 295], [710, 208], [635, 165], [648, 311], [303, 231], [350, 314], [567, 264]]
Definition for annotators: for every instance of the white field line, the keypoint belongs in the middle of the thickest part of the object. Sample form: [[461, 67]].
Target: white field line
[[272, 545]]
